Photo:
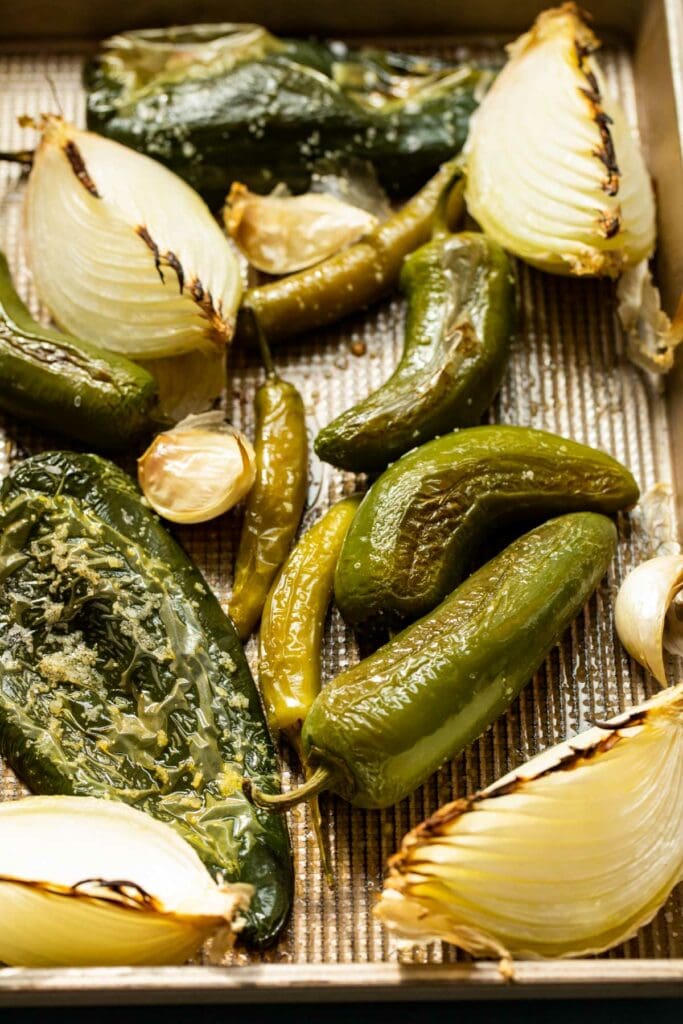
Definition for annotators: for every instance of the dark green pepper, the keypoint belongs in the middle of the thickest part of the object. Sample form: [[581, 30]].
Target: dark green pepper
[[461, 306], [61, 383], [356, 277], [276, 500], [380, 729], [121, 677], [224, 103], [422, 522]]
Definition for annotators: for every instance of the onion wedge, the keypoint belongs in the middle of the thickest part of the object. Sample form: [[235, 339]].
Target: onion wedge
[[87, 882], [567, 856], [123, 252], [554, 173]]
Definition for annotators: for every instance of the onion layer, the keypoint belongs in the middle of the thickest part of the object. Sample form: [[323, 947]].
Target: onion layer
[[87, 882], [554, 174], [567, 856], [123, 252]]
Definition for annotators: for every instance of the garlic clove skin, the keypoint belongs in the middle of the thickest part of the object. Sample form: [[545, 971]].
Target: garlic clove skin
[[567, 856], [122, 251], [197, 470], [284, 234], [553, 171], [89, 882], [641, 608]]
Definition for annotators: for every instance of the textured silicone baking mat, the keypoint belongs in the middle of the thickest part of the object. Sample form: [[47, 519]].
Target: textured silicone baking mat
[[568, 374]]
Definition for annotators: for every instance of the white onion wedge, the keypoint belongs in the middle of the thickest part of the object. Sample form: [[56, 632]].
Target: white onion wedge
[[554, 173], [567, 856], [87, 882], [123, 252]]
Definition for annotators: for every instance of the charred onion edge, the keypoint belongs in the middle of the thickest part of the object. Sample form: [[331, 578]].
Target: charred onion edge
[[221, 329], [119, 892], [449, 813]]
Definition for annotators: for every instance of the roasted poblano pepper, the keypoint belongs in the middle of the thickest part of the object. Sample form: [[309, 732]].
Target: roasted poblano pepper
[[421, 524], [121, 677], [61, 383], [459, 323], [223, 103], [276, 499], [381, 728]]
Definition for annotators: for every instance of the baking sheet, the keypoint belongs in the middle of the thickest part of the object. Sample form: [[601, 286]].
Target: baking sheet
[[568, 374]]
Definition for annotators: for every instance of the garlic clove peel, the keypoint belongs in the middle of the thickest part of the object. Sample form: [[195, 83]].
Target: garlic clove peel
[[644, 617]]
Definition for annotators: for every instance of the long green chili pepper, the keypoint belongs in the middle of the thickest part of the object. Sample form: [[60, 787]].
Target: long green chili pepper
[[72, 386], [276, 501], [381, 728], [291, 633], [122, 678], [356, 277], [460, 292]]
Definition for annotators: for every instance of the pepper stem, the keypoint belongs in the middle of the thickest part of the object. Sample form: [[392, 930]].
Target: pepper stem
[[266, 357], [450, 203], [293, 735], [20, 156], [314, 784]]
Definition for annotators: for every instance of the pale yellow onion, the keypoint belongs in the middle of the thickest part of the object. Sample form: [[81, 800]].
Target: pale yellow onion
[[535, 181], [567, 856], [641, 612], [122, 251], [59, 907], [283, 234], [197, 470], [189, 383]]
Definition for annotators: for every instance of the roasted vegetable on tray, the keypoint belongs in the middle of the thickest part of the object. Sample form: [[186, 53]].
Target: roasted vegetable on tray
[[648, 612], [86, 882], [61, 383], [355, 277], [121, 677], [228, 102], [566, 856], [460, 318], [276, 501], [382, 727], [421, 524]]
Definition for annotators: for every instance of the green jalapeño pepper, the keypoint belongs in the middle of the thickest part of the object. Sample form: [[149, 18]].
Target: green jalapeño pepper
[[290, 638], [381, 728], [358, 276], [422, 523], [276, 501], [61, 383], [122, 678], [461, 306]]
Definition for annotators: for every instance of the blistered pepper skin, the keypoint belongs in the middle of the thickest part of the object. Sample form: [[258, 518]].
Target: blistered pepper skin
[[290, 638], [354, 278], [421, 524], [275, 502], [380, 729], [460, 291]]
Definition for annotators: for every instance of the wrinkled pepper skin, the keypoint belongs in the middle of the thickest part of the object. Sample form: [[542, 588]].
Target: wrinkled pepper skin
[[275, 502], [422, 522], [61, 383], [354, 278], [121, 677], [384, 726], [290, 639], [275, 109], [460, 291]]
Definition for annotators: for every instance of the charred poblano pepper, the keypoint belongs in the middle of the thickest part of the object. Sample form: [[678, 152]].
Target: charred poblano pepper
[[357, 276], [121, 677], [459, 322], [421, 524], [61, 383], [381, 728], [223, 103], [277, 497]]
